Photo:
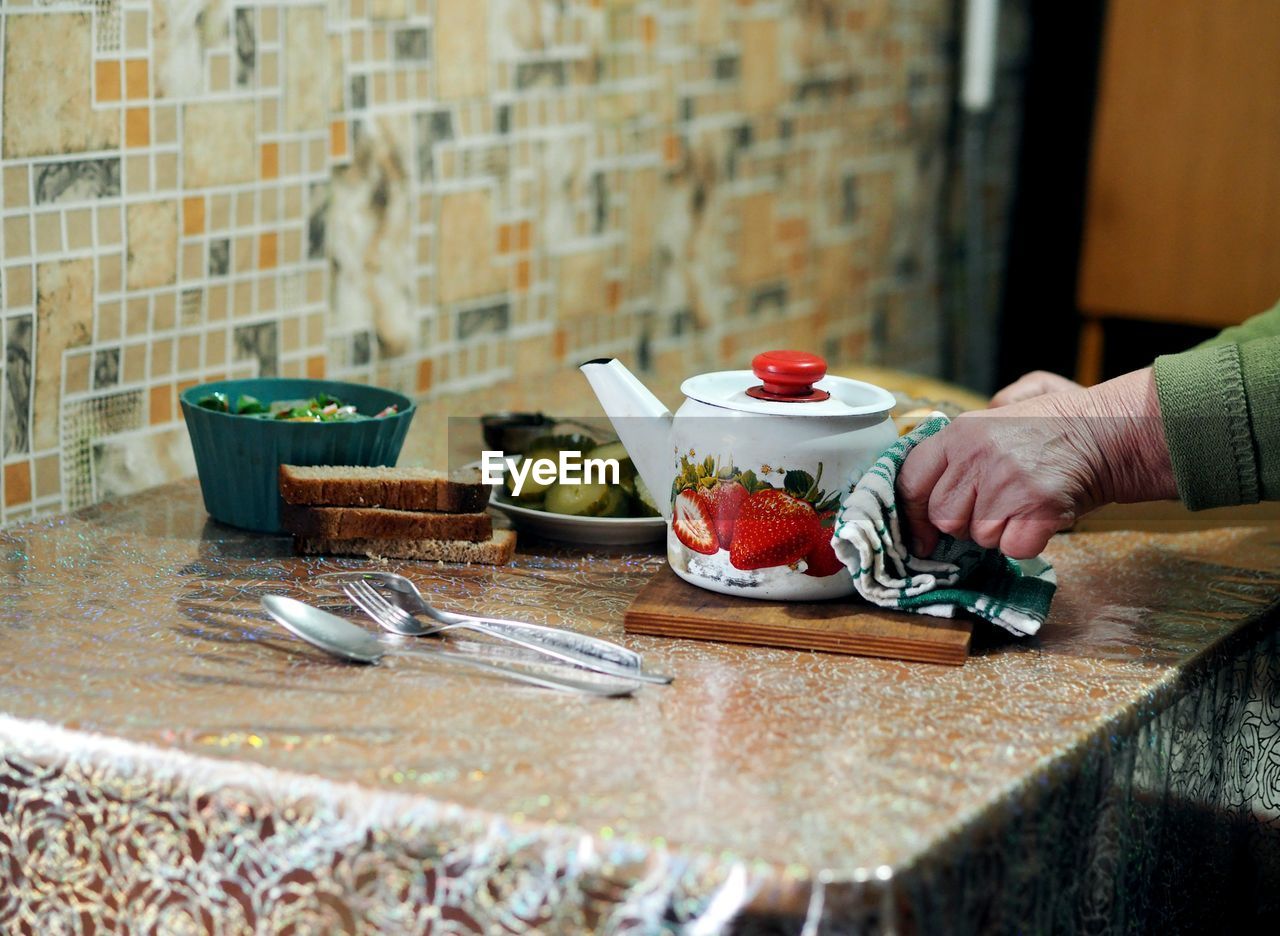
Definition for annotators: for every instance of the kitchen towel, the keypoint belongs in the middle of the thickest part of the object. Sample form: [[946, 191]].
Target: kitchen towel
[[957, 576]]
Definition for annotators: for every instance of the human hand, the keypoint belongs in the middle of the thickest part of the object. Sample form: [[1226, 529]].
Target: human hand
[[1012, 477], [1028, 386]]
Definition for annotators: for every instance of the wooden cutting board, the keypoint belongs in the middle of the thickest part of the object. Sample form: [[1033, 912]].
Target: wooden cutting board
[[670, 607]]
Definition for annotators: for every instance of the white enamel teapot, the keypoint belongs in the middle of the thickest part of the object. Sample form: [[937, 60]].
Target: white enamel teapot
[[750, 470]]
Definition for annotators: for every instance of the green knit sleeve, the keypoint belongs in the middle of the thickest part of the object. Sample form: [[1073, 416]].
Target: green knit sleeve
[[1263, 325], [1220, 405]]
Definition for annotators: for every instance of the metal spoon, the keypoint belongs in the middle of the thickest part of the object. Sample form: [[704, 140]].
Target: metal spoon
[[404, 593], [341, 638]]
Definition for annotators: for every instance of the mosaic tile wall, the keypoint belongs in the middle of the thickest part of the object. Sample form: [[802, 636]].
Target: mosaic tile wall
[[440, 194]]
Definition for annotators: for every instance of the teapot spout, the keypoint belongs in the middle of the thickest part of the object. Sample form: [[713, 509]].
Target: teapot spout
[[642, 423]]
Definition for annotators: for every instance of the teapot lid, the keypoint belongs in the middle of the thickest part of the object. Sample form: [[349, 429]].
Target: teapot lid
[[788, 383]]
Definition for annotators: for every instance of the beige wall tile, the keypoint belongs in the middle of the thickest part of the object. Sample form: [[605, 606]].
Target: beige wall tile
[[315, 286], [110, 272], [47, 96], [48, 475], [49, 232], [291, 158], [642, 216], [79, 228], [581, 285], [758, 254], [242, 299], [166, 121], [218, 144], [137, 175], [64, 319], [216, 303], [193, 261], [243, 253], [292, 202], [245, 208], [215, 348], [166, 174], [162, 357], [109, 321], [337, 74], [269, 24], [762, 86], [289, 335], [76, 372], [134, 368], [315, 330], [16, 187], [188, 353], [267, 295], [219, 71], [270, 115], [164, 311], [291, 247], [465, 268], [220, 212], [269, 70], [306, 76], [135, 30], [137, 316], [388, 9], [17, 236], [708, 21], [109, 221], [462, 49], [317, 155], [153, 244], [17, 286]]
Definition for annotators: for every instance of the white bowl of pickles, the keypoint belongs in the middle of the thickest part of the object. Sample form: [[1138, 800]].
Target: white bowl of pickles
[[572, 509]]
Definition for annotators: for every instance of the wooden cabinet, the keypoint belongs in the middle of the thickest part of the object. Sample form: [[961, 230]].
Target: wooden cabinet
[[1182, 220]]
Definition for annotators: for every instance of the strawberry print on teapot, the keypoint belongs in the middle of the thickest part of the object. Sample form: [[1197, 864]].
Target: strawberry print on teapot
[[760, 524]]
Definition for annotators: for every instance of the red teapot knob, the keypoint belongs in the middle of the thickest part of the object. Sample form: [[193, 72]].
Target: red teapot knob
[[788, 376]]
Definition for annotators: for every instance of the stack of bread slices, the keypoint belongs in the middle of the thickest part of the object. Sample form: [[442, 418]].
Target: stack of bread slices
[[392, 513]]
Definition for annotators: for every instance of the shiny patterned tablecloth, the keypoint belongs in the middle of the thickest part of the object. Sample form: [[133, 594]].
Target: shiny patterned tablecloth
[[174, 762]]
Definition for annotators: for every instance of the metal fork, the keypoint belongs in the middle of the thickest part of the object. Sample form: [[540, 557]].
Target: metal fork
[[404, 594], [398, 621]]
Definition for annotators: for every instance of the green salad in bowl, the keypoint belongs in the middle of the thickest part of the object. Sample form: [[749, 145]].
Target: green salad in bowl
[[242, 431], [322, 407]]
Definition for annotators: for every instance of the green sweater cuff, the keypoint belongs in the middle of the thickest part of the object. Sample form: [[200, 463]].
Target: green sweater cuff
[[1260, 370], [1206, 424]]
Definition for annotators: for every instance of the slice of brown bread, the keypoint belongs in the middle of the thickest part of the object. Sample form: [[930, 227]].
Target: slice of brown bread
[[380, 523], [397, 488], [497, 550]]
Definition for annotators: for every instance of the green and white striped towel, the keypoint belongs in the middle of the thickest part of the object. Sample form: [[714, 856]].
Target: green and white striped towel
[[957, 575]]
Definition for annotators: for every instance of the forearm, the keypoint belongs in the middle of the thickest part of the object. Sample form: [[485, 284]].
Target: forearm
[[1119, 421]]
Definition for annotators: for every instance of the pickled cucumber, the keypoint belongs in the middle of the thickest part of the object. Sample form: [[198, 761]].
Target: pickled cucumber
[[619, 504], [626, 470], [532, 492], [627, 498], [585, 500], [643, 503], [533, 489]]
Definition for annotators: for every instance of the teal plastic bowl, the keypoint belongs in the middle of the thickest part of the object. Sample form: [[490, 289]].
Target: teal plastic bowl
[[238, 458]]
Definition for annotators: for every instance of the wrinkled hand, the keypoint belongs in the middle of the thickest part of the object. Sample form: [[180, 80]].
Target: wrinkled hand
[[1012, 477], [1028, 386]]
